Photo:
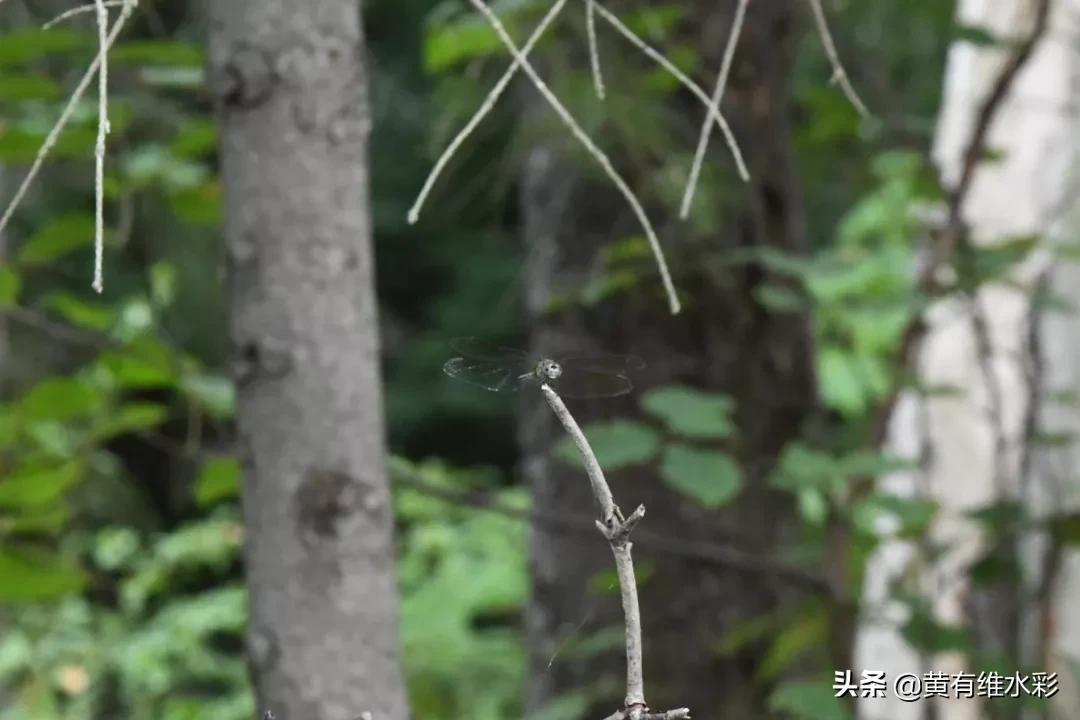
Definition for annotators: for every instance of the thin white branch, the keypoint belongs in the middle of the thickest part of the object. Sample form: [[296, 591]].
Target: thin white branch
[[591, 147], [65, 116], [99, 149], [600, 488], [616, 529], [594, 50], [481, 113], [714, 106], [67, 14], [839, 74]]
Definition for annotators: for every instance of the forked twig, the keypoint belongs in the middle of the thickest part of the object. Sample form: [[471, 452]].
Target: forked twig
[[65, 115], [591, 147], [713, 112], [482, 112], [616, 529], [714, 106], [840, 75]]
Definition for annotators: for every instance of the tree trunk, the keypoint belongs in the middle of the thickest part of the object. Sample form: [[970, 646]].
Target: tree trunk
[[289, 80], [723, 341], [978, 446]]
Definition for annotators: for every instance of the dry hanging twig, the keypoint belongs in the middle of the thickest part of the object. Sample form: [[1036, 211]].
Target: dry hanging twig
[[591, 147], [67, 14], [714, 106], [65, 116], [99, 148], [713, 113], [839, 74], [594, 50], [485, 108], [616, 529]]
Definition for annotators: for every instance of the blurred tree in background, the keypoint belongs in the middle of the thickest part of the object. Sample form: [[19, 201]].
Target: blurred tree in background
[[121, 581]]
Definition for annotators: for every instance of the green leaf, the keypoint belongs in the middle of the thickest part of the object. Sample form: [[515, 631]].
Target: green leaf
[[115, 547], [80, 313], [35, 486], [709, 476], [813, 506], [131, 418], [450, 43], [30, 574], [691, 412], [10, 284], [62, 399], [18, 145], [803, 634], [21, 46], [780, 299], [980, 36], [616, 444], [809, 700], [213, 393], [219, 479], [27, 87], [804, 467], [58, 237], [1066, 528], [47, 518], [201, 205], [913, 514], [195, 138], [926, 633], [143, 364], [183, 78], [157, 52], [162, 283], [841, 388]]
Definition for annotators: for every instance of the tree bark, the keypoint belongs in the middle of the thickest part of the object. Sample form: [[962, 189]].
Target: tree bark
[[289, 81], [723, 341]]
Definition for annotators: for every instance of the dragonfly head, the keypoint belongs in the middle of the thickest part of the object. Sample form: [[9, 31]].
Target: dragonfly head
[[548, 370]]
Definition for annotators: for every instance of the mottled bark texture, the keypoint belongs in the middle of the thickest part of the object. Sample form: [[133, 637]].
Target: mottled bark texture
[[724, 340], [289, 81]]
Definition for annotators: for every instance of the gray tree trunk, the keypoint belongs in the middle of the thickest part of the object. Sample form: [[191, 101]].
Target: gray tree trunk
[[289, 80], [722, 341]]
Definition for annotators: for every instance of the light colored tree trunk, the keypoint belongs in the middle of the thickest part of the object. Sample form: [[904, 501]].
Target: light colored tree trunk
[[974, 446], [289, 80]]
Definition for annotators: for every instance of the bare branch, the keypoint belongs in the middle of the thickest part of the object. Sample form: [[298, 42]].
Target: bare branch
[[67, 14], [485, 108], [616, 529], [592, 148], [65, 115], [839, 74], [713, 113], [594, 51], [714, 106], [99, 149]]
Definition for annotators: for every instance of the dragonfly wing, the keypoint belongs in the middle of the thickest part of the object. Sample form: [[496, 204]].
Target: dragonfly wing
[[615, 364], [582, 382], [480, 349], [489, 375]]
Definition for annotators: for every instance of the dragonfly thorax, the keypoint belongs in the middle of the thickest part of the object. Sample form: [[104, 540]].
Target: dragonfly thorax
[[548, 369]]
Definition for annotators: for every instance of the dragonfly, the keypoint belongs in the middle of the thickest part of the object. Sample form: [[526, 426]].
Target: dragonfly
[[504, 369]]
